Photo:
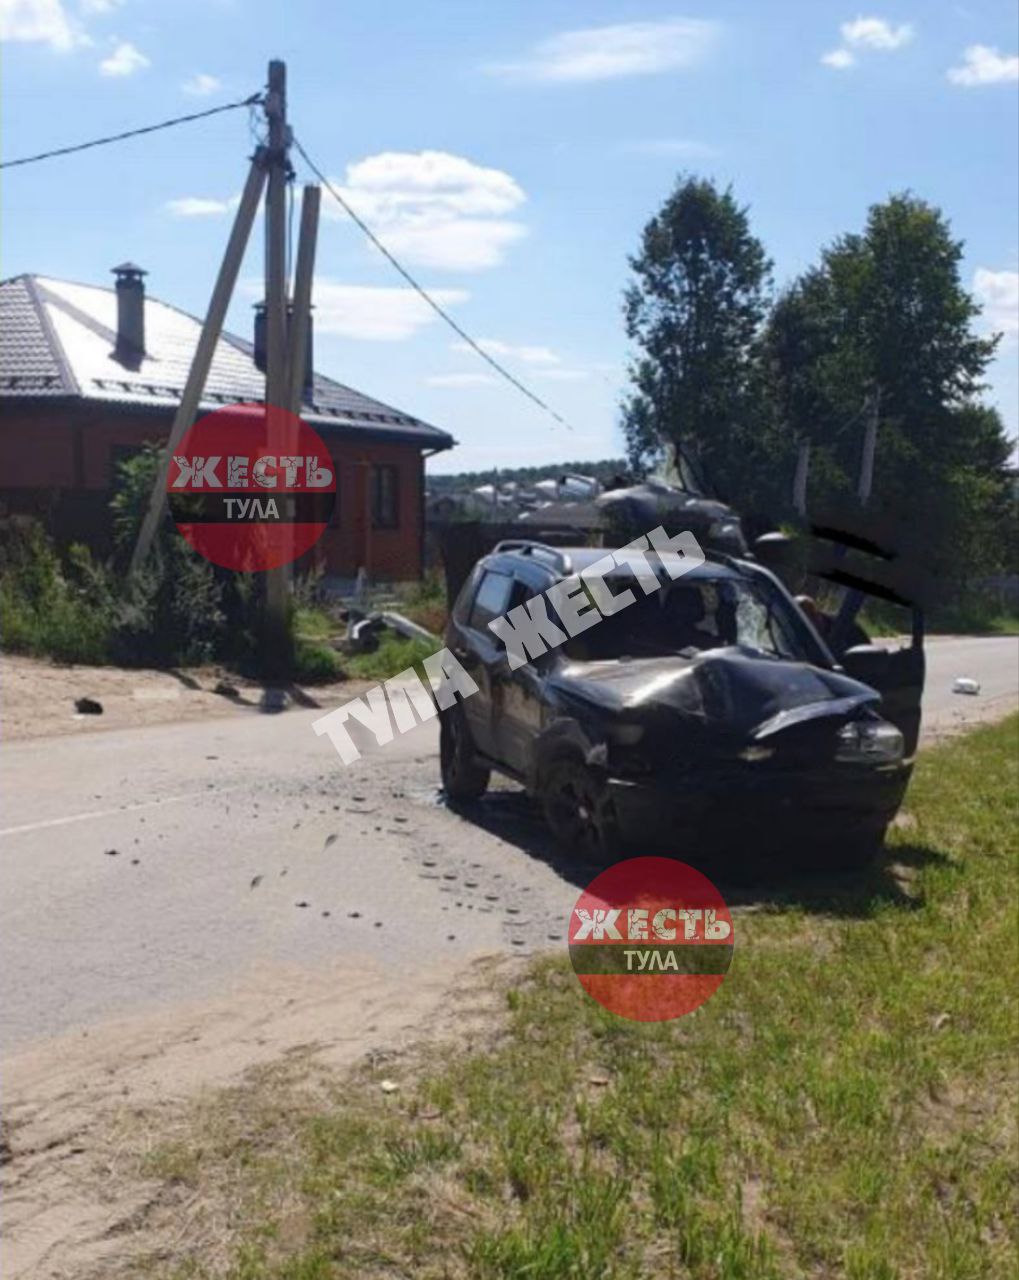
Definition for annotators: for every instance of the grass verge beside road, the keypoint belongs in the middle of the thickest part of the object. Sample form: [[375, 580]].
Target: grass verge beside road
[[844, 1106]]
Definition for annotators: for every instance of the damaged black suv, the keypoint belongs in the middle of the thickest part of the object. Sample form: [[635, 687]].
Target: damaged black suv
[[708, 716]]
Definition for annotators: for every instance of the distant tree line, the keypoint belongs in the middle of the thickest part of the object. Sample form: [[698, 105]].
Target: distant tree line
[[738, 379], [604, 471]]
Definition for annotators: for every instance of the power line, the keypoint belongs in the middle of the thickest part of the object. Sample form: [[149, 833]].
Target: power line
[[423, 293], [131, 133]]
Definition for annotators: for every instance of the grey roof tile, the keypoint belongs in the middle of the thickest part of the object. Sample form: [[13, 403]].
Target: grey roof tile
[[58, 338]]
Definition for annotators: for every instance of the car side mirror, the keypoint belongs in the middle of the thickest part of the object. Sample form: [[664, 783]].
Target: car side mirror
[[866, 662]]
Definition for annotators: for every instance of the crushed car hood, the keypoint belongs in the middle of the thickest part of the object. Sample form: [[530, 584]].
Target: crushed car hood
[[732, 690]]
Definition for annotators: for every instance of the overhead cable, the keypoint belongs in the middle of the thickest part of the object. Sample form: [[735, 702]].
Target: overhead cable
[[439, 310], [131, 133]]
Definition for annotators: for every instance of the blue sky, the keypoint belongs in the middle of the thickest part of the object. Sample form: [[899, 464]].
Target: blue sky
[[510, 152]]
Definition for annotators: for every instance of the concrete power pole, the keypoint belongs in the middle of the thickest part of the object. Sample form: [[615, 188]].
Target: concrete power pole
[[276, 643], [866, 481], [853, 599], [202, 359]]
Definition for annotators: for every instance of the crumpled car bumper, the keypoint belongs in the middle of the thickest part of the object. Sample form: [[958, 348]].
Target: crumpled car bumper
[[747, 811]]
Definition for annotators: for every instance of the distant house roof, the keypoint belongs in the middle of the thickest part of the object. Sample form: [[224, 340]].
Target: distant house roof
[[57, 341]]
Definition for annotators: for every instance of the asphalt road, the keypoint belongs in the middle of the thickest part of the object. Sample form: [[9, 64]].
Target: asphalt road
[[151, 866]]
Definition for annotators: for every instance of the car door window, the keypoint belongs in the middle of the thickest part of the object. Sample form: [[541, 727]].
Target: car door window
[[491, 600]]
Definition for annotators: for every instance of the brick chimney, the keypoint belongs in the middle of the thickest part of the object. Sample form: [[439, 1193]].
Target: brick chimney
[[130, 286], [261, 347]]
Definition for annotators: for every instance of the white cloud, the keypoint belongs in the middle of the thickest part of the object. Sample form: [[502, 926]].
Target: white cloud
[[983, 65], [99, 6], [201, 206], [39, 21], [866, 33], [998, 294], [201, 85], [435, 209], [125, 60], [607, 53], [681, 148], [376, 314], [840, 59], [460, 381], [507, 351], [876, 33], [455, 245]]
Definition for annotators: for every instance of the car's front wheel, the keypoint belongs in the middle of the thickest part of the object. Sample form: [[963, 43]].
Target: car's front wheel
[[463, 778], [579, 811]]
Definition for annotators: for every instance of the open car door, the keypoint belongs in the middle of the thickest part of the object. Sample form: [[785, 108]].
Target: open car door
[[855, 552], [897, 673]]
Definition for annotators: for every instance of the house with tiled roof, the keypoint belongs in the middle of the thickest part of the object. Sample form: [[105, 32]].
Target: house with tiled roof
[[88, 374]]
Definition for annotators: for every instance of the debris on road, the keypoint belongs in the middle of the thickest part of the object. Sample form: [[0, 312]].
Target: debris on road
[[88, 707], [966, 684]]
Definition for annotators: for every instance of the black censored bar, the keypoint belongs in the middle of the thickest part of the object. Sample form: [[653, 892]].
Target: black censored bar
[[251, 508], [632, 957]]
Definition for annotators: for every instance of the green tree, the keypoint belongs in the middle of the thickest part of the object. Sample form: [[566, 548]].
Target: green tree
[[886, 313], [694, 310]]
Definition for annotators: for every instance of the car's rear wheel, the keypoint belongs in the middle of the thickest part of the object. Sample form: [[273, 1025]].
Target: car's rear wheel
[[463, 777], [578, 810]]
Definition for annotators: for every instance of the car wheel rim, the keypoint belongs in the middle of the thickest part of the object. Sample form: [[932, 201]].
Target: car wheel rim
[[578, 815]]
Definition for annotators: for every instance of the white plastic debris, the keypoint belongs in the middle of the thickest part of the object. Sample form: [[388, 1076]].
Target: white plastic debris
[[389, 1086], [965, 684]]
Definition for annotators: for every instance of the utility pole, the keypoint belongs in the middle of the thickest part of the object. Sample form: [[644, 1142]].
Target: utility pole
[[802, 474], [276, 644], [853, 598], [286, 351], [211, 330], [304, 272], [866, 481]]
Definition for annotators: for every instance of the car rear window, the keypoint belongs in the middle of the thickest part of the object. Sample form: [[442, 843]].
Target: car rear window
[[491, 600]]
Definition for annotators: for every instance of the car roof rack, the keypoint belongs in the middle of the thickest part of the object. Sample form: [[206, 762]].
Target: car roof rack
[[541, 550]]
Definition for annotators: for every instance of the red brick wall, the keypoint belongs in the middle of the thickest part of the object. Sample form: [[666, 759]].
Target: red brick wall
[[351, 542], [50, 455]]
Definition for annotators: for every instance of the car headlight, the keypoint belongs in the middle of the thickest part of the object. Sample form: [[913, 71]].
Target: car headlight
[[869, 741]]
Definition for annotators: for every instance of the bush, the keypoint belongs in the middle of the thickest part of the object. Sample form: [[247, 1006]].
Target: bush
[[48, 608], [315, 662]]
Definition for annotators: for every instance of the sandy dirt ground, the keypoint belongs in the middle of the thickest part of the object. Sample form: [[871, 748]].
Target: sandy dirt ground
[[37, 698], [75, 1202]]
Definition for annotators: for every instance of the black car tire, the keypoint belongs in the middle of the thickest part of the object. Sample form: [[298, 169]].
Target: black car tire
[[463, 777], [578, 810]]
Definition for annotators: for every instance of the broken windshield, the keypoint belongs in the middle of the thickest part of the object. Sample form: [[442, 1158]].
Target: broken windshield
[[691, 617]]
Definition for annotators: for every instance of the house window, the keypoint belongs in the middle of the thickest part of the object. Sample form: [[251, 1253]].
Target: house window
[[385, 497]]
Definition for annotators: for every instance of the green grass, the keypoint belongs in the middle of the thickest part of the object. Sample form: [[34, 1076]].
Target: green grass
[[843, 1107], [395, 654], [316, 661], [425, 603], [974, 615]]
